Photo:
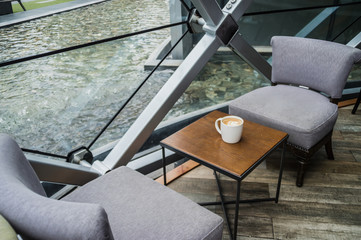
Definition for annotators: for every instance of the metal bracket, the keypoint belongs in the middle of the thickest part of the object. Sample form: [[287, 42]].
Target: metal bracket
[[195, 22], [227, 29], [79, 154]]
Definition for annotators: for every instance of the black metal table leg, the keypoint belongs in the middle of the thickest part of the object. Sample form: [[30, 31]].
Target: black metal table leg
[[223, 205], [281, 172], [164, 167], [237, 202], [237, 210]]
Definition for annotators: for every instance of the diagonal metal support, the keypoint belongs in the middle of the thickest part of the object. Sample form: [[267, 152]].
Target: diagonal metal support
[[221, 29], [356, 41], [210, 11], [242, 48], [154, 113]]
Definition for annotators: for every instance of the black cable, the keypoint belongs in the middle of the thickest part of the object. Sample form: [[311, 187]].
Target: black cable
[[43, 153], [24, 59], [136, 90], [299, 9]]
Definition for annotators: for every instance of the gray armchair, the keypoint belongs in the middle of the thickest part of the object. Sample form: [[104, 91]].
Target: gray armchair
[[308, 77], [122, 204]]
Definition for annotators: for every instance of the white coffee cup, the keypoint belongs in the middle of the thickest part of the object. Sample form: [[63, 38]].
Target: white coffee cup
[[231, 128]]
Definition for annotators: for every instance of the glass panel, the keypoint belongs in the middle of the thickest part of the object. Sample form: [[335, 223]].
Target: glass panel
[[258, 30], [135, 107], [224, 78], [343, 24], [57, 103], [276, 5], [95, 22]]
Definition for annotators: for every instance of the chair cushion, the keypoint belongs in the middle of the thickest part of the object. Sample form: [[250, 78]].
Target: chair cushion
[[34, 216], [305, 115], [140, 208]]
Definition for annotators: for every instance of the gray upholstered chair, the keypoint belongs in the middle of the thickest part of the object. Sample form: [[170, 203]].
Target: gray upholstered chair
[[308, 77], [122, 204]]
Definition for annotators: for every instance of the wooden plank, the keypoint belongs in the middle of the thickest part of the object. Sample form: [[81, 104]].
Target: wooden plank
[[206, 186], [178, 171], [316, 194], [328, 206], [347, 103], [249, 226], [316, 212], [357, 155], [296, 229]]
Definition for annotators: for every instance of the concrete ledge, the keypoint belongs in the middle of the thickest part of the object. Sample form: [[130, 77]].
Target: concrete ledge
[[173, 64], [20, 17]]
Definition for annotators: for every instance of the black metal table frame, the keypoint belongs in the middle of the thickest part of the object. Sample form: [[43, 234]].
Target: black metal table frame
[[238, 178]]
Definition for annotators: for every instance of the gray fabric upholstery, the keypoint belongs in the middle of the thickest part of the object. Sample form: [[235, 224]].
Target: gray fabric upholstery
[[24, 204], [15, 165], [134, 206], [307, 116], [320, 65], [288, 108], [140, 208]]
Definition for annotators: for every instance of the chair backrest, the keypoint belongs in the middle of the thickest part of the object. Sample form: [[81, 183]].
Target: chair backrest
[[24, 204], [320, 65]]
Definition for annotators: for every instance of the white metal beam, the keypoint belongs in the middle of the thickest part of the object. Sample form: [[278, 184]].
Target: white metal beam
[[251, 56], [237, 8], [356, 41], [209, 10], [61, 172], [154, 113], [220, 27]]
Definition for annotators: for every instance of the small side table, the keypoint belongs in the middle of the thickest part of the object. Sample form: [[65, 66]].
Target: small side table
[[202, 143]]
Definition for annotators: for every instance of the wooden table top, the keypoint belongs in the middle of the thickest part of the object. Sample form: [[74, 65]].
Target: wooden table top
[[201, 142]]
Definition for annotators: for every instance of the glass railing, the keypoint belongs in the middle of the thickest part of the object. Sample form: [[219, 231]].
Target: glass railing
[[60, 102], [56, 103], [82, 25]]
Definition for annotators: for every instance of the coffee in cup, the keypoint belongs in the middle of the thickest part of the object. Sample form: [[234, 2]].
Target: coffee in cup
[[232, 121], [231, 128]]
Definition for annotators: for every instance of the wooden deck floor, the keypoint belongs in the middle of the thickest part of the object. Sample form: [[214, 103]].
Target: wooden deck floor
[[328, 206]]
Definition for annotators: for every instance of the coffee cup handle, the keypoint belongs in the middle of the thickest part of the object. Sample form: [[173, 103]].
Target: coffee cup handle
[[216, 125]]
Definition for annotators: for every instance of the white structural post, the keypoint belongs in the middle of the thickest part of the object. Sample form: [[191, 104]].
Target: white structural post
[[221, 29], [177, 14]]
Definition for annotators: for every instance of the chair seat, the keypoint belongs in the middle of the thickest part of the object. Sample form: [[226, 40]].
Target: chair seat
[[305, 125], [140, 208]]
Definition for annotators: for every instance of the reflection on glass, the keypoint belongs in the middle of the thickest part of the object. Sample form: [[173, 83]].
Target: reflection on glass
[[86, 24], [58, 103], [276, 5], [224, 78]]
